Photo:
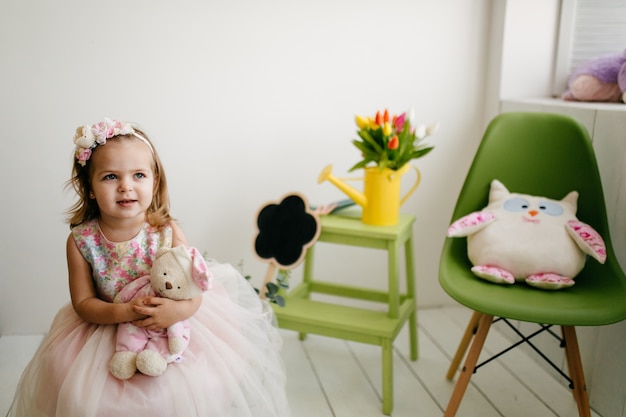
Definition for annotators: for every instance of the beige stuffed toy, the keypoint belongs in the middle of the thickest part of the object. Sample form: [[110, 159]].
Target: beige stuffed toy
[[179, 273], [520, 237]]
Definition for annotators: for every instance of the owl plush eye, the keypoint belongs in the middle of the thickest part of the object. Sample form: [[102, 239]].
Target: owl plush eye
[[519, 204], [516, 204], [550, 208]]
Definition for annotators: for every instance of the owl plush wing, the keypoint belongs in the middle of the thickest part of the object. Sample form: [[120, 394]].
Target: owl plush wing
[[587, 239], [471, 223]]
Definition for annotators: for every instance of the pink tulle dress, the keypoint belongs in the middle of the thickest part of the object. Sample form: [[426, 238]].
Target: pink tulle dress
[[232, 366]]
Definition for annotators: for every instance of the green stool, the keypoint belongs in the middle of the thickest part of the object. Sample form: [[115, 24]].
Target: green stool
[[352, 323]]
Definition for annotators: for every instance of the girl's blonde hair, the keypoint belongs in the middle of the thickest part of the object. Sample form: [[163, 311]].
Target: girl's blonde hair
[[86, 208]]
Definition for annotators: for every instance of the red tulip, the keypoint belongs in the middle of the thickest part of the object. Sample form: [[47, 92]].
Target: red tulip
[[394, 142]]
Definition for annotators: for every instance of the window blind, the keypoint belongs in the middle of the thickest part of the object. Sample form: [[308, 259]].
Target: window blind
[[587, 29], [599, 29]]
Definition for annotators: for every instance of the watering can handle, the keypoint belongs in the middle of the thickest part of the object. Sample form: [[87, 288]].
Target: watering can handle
[[414, 186]]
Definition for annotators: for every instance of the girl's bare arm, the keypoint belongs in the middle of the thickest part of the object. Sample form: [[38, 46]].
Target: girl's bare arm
[[83, 293]]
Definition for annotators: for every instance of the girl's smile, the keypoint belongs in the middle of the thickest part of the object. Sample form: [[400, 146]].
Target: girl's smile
[[126, 203]]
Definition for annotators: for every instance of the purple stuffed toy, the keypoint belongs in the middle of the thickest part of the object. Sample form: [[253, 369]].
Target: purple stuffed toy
[[600, 79]]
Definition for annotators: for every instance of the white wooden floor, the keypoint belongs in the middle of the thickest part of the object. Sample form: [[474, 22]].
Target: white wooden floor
[[333, 378]]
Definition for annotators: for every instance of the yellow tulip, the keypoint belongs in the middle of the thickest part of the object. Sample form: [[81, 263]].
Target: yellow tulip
[[361, 122], [387, 129]]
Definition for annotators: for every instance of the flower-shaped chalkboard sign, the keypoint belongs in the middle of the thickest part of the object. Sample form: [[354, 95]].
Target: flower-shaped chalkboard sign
[[285, 231]]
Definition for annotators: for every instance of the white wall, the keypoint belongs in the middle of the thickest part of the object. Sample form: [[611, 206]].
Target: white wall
[[245, 101], [521, 51], [528, 48]]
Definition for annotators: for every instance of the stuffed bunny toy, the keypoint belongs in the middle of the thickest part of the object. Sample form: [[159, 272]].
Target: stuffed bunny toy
[[179, 273]]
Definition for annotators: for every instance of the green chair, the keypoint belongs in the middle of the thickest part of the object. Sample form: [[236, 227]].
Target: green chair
[[540, 154]]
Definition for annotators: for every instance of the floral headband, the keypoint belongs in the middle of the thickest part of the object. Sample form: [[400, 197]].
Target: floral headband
[[88, 138]]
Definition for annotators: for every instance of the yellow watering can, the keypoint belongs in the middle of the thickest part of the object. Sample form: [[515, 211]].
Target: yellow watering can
[[380, 198]]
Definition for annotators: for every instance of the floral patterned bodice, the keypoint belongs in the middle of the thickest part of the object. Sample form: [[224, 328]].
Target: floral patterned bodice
[[115, 264]]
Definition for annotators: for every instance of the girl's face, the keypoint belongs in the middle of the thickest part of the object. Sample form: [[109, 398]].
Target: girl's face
[[122, 179]]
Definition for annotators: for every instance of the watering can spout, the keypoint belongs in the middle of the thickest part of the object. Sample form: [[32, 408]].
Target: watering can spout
[[350, 191]]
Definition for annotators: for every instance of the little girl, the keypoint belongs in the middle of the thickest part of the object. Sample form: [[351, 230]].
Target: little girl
[[232, 365]]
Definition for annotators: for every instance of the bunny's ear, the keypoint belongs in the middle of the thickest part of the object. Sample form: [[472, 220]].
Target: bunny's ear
[[199, 272]]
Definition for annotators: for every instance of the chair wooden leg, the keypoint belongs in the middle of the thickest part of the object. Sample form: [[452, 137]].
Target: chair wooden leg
[[576, 373], [465, 341], [470, 364]]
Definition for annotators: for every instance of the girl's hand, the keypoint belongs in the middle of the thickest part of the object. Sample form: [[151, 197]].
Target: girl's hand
[[163, 312], [160, 312], [133, 304]]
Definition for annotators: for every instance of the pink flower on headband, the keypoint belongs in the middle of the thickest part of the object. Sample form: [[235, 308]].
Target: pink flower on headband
[[87, 138], [83, 155], [110, 128]]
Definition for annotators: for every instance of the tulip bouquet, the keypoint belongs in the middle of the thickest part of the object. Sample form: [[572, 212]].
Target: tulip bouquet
[[390, 142]]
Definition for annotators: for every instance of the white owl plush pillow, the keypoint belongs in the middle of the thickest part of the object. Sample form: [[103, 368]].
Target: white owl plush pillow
[[520, 237]]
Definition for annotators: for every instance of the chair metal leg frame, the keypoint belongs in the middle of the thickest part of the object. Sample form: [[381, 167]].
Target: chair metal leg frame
[[478, 328], [526, 339]]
